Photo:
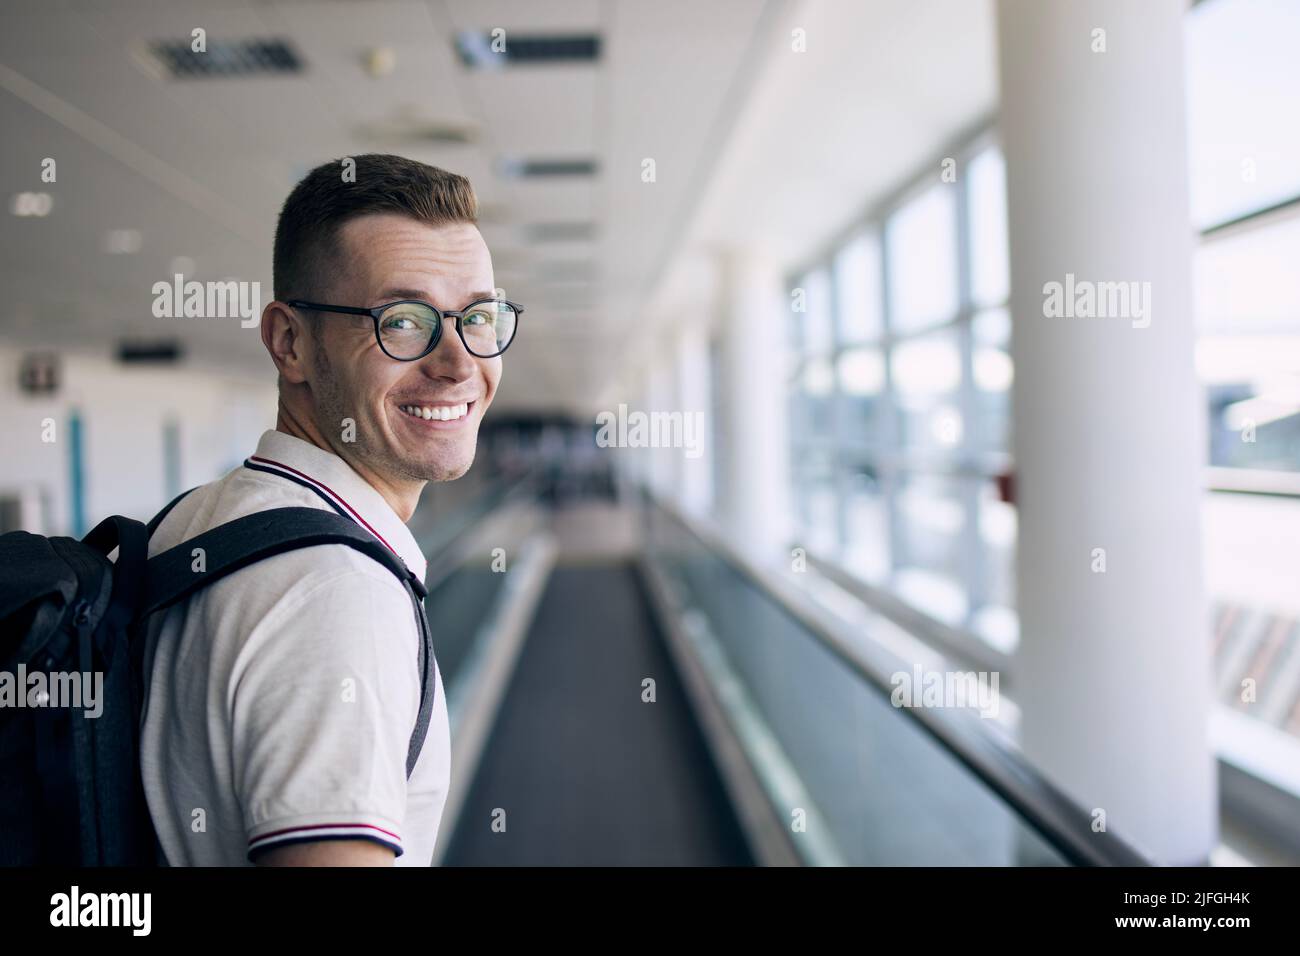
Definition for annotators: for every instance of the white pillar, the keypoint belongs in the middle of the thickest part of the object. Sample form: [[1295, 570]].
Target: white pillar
[[1114, 665], [693, 397], [660, 400], [753, 492], [632, 463], [642, 397]]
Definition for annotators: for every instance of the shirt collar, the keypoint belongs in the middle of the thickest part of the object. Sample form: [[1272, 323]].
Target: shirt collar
[[335, 478]]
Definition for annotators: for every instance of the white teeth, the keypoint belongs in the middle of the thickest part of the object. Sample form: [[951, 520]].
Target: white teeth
[[442, 413]]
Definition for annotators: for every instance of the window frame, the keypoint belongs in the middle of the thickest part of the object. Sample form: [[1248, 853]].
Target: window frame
[[884, 453]]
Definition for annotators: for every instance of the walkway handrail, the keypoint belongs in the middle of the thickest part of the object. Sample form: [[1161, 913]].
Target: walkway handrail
[[1062, 823], [452, 552]]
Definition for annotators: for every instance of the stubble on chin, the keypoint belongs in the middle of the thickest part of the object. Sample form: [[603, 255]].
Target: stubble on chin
[[446, 470], [447, 465], [370, 450]]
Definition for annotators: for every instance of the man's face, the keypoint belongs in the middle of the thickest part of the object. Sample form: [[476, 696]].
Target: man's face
[[387, 257]]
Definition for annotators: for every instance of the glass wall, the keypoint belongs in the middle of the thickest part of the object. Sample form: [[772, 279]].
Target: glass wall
[[901, 371], [900, 387], [1243, 82]]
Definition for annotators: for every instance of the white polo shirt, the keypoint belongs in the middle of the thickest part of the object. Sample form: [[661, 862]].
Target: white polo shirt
[[280, 701]]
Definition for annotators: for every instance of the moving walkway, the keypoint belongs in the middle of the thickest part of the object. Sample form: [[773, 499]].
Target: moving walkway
[[670, 703]]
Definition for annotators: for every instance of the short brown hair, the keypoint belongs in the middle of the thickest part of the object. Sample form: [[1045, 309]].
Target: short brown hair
[[307, 233]]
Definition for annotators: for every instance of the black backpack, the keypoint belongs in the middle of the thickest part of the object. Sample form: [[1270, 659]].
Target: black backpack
[[70, 786]]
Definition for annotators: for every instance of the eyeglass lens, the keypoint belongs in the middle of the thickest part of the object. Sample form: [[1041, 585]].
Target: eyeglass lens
[[406, 328]]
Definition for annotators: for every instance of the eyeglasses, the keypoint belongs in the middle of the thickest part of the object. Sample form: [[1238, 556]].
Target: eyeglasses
[[410, 329]]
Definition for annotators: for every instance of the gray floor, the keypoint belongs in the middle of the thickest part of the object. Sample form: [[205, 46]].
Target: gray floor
[[580, 769]]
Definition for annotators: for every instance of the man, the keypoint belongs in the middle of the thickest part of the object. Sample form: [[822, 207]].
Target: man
[[282, 698]]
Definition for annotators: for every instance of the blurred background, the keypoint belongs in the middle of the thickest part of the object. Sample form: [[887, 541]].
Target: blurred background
[[787, 425]]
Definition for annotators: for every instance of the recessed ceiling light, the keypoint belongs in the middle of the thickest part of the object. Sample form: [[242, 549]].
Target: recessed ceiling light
[[121, 242], [37, 205], [380, 61]]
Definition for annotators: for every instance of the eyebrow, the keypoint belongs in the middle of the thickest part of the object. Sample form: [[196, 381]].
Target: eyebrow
[[424, 296]]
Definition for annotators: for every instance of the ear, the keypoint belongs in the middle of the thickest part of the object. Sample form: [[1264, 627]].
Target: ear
[[288, 339]]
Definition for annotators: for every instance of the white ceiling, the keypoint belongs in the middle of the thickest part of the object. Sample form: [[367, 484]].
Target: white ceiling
[[883, 89], [751, 143]]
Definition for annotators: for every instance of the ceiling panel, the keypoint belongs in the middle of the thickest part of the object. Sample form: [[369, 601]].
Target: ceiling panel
[[201, 167]]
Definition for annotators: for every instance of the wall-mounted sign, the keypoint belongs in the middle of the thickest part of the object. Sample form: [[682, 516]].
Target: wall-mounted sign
[[38, 373]]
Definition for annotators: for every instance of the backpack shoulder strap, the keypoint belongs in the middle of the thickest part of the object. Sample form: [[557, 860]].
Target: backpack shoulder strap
[[157, 519], [252, 538], [263, 534], [131, 539]]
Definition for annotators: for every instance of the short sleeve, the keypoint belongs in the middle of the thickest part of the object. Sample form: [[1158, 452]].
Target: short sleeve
[[322, 702]]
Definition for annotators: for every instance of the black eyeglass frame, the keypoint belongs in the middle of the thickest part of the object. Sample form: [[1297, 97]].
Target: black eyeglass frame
[[379, 310]]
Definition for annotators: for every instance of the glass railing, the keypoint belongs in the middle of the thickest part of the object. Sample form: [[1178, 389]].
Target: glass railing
[[463, 587], [442, 518], [881, 785], [457, 607]]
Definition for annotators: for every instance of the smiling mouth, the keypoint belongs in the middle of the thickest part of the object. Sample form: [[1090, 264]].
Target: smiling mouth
[[437, 413]]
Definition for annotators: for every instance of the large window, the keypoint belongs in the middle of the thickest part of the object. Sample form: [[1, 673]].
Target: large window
[[901, 385], [902, 371], [1248, 352], [1243, 84]]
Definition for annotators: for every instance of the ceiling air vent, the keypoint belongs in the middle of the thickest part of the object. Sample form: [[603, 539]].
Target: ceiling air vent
[[561, 231], [566, 270], [515, 168], [180, 61], [483, 51], [149, 352], [415, 131]]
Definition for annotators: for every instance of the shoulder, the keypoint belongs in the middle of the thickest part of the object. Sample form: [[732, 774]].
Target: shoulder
[[244, 492], [323, 581], [316, 616], [324, 592], [330, 586]]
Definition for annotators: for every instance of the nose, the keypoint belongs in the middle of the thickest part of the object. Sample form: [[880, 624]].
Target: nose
[[449, 358]]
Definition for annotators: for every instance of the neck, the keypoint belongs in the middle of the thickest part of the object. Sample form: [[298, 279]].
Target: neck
[[402, 496]]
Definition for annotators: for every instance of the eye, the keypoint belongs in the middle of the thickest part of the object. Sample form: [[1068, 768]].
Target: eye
[[479, 316], [405, 318]]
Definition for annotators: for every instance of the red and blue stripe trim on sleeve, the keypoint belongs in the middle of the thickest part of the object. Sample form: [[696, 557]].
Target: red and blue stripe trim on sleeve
[[311, 833]]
